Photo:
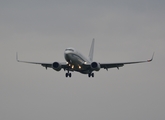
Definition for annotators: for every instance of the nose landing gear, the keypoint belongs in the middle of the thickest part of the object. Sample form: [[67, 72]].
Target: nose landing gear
[[68, 74]]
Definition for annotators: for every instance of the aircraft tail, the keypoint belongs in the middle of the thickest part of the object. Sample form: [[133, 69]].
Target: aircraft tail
[[91, 50]]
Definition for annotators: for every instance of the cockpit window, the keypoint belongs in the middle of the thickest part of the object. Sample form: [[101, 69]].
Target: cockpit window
[[69, 50]]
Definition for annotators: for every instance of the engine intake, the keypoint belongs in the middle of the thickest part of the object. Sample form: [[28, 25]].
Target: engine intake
[[95, 66], [56, 66]]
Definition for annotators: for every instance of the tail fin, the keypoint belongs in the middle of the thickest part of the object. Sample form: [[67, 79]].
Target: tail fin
[[91, 50]]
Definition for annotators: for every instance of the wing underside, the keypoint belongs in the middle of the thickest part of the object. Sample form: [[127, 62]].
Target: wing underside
[[117, 65], [46, 65]]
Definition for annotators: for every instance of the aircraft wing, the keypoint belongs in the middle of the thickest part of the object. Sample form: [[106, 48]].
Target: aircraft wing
[[117, 65], [46, 65]]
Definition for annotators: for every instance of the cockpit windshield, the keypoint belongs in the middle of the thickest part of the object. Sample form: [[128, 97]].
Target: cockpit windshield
[[69, 49]]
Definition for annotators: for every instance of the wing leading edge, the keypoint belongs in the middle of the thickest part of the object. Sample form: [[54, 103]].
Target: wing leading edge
[[117, 65], [46, 65]]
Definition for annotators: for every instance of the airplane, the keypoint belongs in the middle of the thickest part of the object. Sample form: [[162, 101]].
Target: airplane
[[75, 61]]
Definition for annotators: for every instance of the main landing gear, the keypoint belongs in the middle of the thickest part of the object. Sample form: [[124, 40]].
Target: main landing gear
[[68, 74], [91, 75]]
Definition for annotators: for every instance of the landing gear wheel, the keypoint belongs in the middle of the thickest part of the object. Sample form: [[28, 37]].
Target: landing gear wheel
[[89, 75], [70, 75], [92, 74], [66, 74]]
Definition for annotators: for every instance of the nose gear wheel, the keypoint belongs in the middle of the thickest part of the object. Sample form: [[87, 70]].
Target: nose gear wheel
[[68, 74]]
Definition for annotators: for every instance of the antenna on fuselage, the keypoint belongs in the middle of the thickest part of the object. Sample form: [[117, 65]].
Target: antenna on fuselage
[[91, 50]]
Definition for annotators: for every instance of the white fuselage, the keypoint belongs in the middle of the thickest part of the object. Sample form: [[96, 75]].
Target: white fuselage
[[76, 60]]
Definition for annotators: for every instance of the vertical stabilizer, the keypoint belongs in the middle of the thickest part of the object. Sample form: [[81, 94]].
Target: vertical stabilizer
[[91, 50]]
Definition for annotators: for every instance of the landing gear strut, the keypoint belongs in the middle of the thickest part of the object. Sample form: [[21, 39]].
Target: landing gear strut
[[91, 74]]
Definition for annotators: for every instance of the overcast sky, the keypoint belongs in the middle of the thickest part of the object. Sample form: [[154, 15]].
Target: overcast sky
[[124, 30]]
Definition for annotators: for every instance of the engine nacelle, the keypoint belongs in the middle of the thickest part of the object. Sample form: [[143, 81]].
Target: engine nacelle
[[56, 66], [95, 66]]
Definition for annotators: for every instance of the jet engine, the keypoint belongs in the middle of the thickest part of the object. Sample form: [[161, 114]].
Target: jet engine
[[95, 66], [56, 66]]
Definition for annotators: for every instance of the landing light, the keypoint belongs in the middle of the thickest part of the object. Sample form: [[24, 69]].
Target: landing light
[[79, 67], [72, 66], [85, 62]]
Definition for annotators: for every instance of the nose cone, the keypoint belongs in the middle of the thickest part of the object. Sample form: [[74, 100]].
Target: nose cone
[[66, 56], [67, 53]]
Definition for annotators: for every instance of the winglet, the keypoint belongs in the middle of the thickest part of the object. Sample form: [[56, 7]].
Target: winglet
[[151, 58], [17, 57]]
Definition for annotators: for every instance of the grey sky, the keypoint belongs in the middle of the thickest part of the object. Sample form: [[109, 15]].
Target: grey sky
[[39, 30]]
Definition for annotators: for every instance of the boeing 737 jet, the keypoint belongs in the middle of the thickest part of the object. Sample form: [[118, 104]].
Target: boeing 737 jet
[[75, 61]]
